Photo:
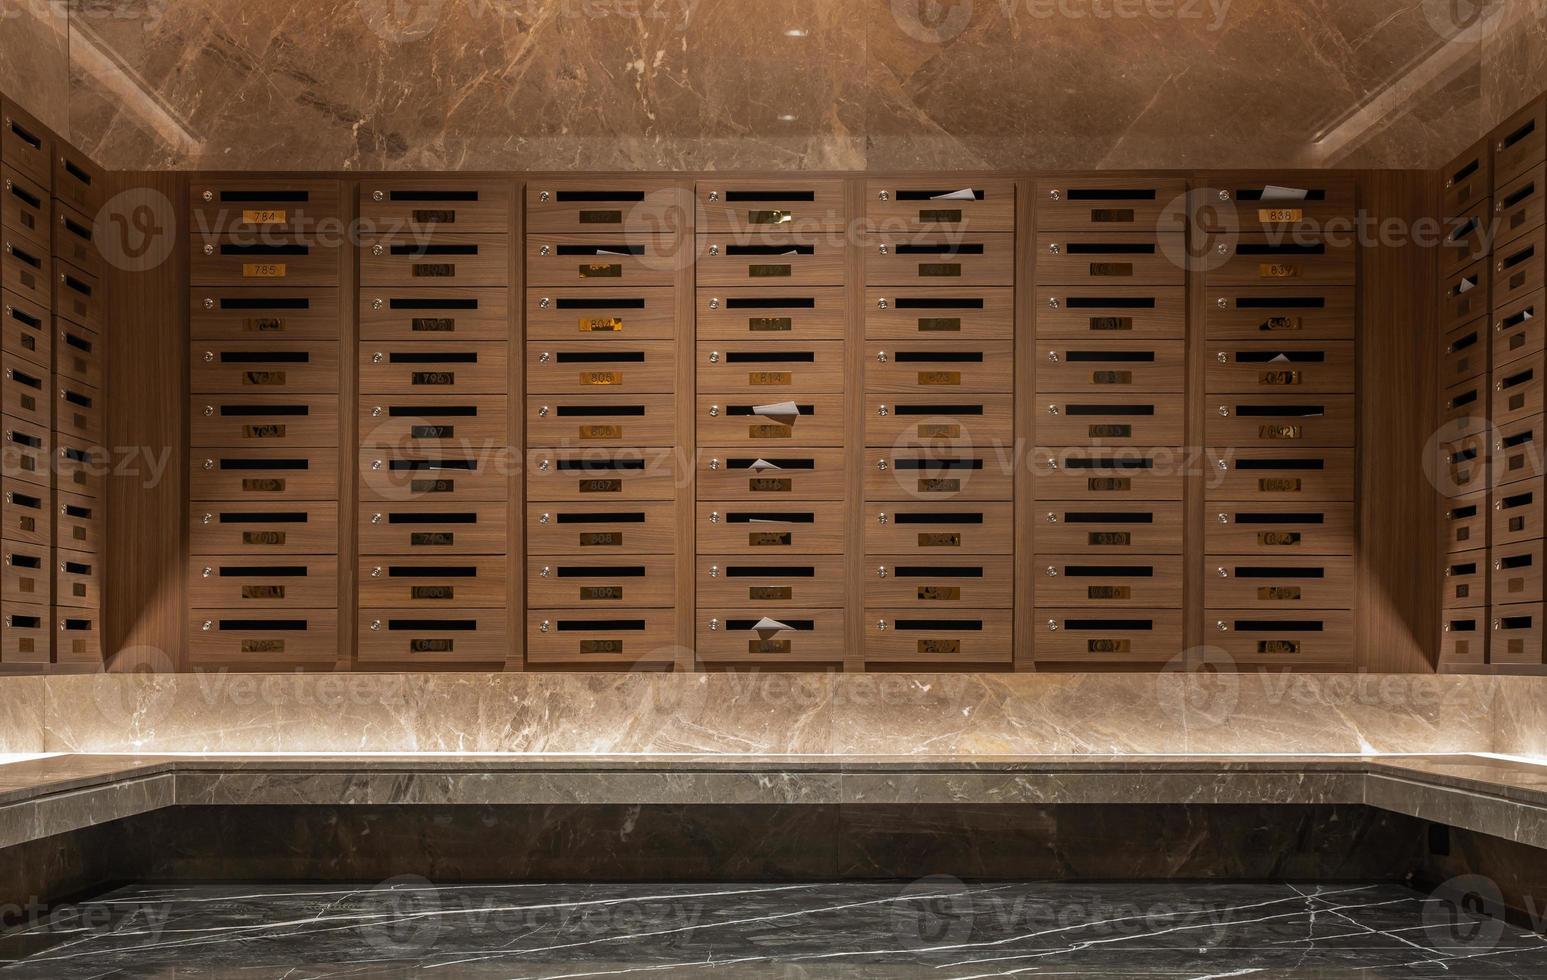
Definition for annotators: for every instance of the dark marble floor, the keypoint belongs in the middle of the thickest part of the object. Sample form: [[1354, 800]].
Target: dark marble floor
[[936, 927]]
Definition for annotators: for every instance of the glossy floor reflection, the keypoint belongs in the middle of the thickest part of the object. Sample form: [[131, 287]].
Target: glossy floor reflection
[[935, 927]]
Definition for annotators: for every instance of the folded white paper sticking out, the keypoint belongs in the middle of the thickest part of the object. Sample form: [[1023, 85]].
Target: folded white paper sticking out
[[1273, 192], [762, 464], [766, 627], [608, 251], [793, 251], [1280, 359], [777, 410], [965, 194], [762, 520], [1467, 285]]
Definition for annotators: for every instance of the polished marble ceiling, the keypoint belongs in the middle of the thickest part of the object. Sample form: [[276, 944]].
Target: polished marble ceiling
[[770, 84]]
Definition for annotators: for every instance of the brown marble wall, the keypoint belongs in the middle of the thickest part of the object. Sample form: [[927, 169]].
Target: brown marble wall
[[35, 60], [769, 714], [788, 84]]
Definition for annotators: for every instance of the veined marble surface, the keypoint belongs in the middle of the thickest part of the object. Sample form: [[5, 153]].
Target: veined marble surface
[[757, 714], [785, 84], [934, 927]]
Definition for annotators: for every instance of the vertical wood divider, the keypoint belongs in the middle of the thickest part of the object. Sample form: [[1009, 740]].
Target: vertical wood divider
[[515, 408], [686, 297], [1195, 455], [349, 432], [1024, 599], [856, 244]]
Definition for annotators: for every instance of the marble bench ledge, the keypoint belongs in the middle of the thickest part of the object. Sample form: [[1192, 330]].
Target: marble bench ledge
[[61, 794]]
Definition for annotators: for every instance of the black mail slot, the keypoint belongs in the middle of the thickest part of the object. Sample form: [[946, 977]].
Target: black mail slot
[[1110, 303], [1465, 398], [748, 410], [1515, 137], [622, 303], [1110, 248], [451, 357], [427, 248], [770, 571], [23, 622], [1269, 248], [1464, 228], [592, 411], [601, 357], [290, 248], [1464, 455], [265, 625], [1468, 340], [439, 411], [29, 199], [938, 624], [1278, 625], [1134, 410], [1281, 411], [771, 517], [1125, 356], [956, 518], [629, 517], [1097, 463], [1261, 571], [265, 303], [433, 464], [1078, 625], [25, 439], [745, 463], [593, 465], [936, 303], [790, 249], [594, 196], [955, 357], [731, 196], [1272, 356], [770, 357], [265, 464], [594, 250], [75, 340], [77, 285], [944, 248], [1280, 464], [437, 518], [1462, 569], [1255, 194], [1513, 320], [1461, 626], [1526, 191], [799, 625], [23, 378], [1516, 561], [24, 561], [24, 255], [1109, 571], [1518, 378], [920, 195], [245, 411], [265, 357], [434, 625], [939, 464], [250, 197], [434, 195], [296, 517], [77, 398], [598, 571], [938, 571], [1517, 258], [772, 303], [1508, 503], [24, 500], [938, 409], [422, 303], [432, 571], [1515, 622], [599, 625], [1102, 517], [264, 571], [23, 317]]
